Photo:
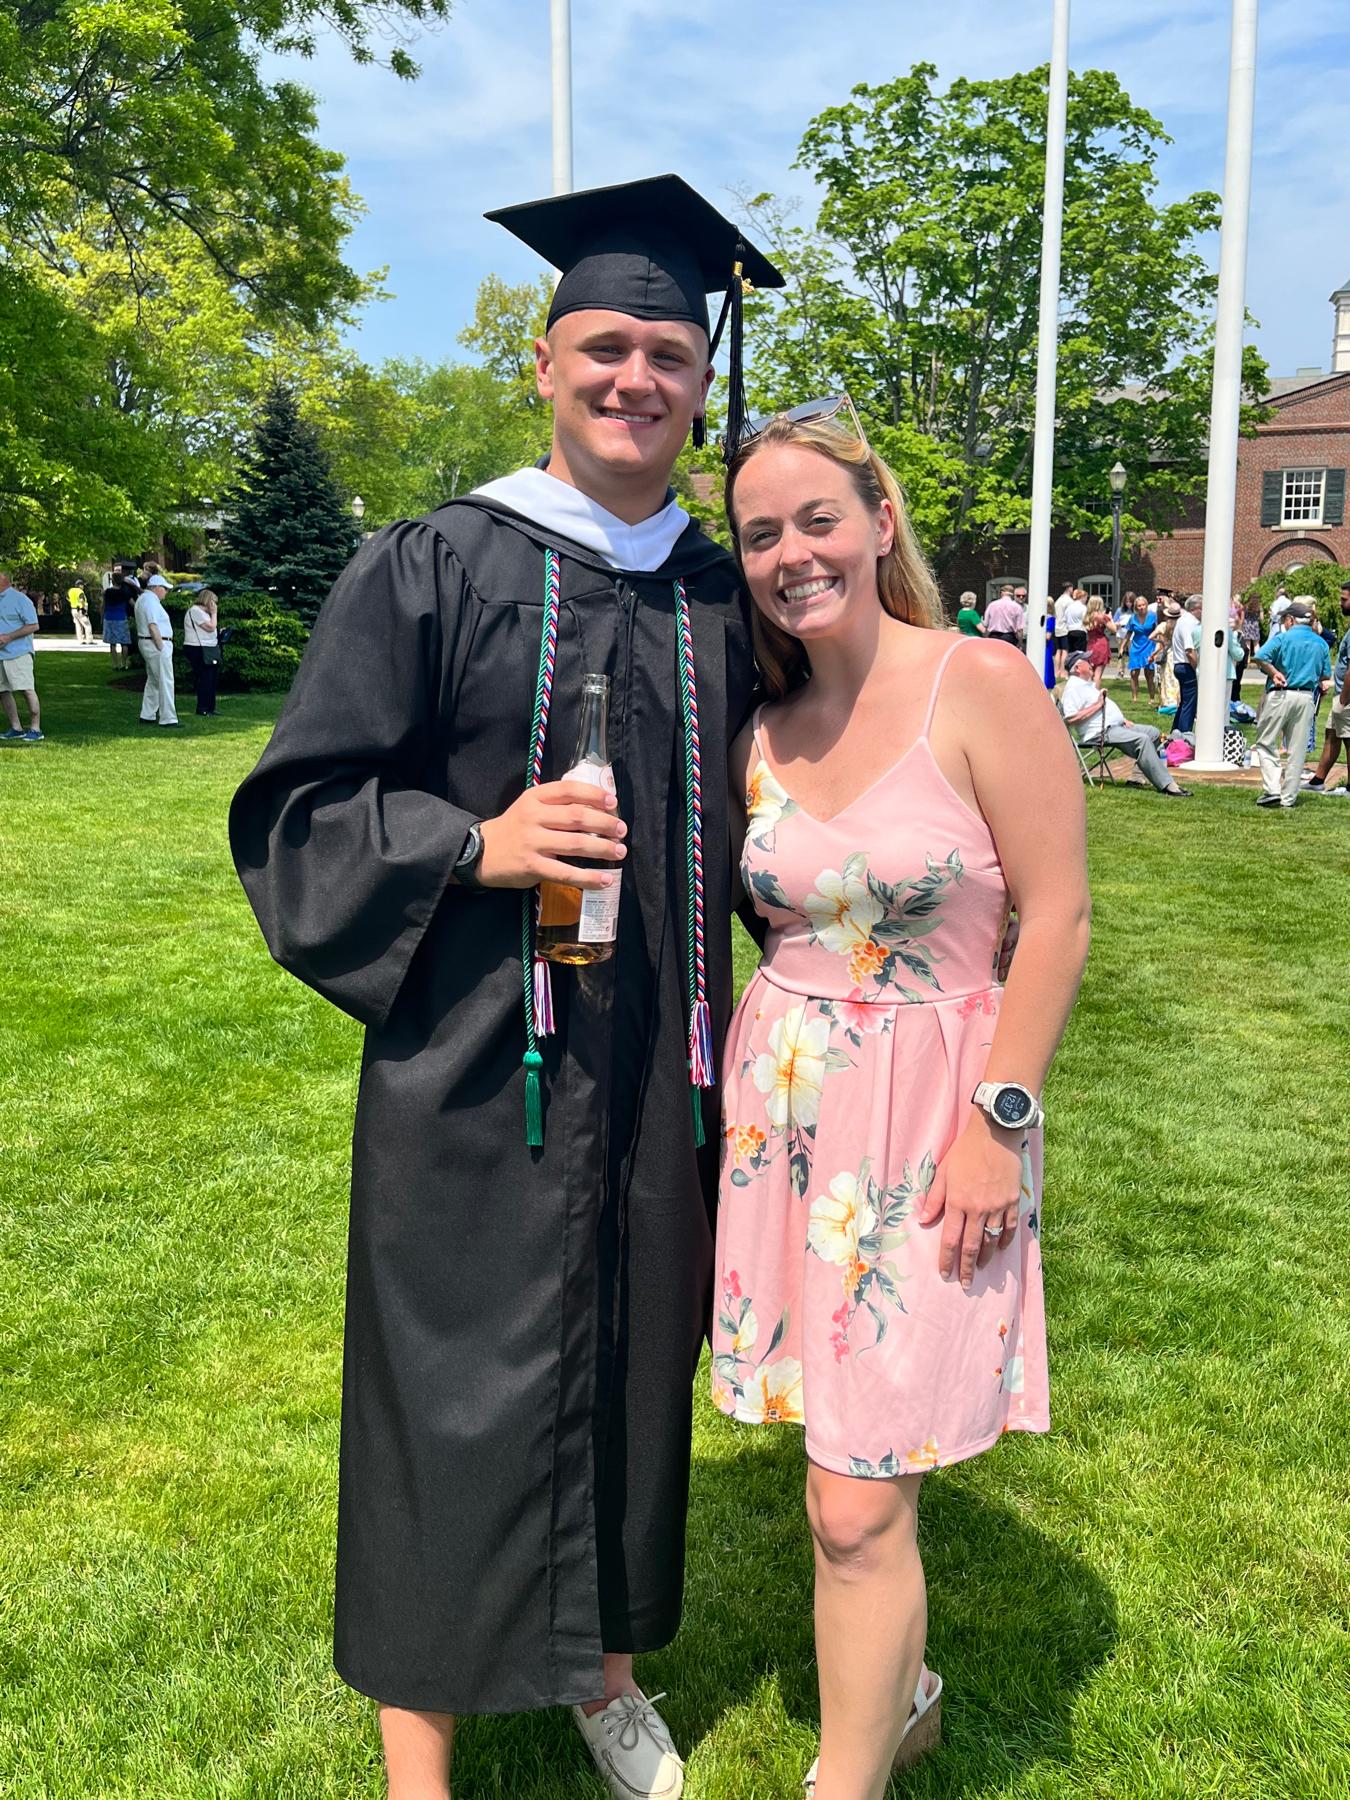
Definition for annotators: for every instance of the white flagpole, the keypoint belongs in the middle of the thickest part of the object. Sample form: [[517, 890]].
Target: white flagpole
[[1047, 350], [561, 33], [1226, 398]]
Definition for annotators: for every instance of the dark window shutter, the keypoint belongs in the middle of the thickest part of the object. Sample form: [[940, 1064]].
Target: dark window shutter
[[1333, 497], [1272, 496]]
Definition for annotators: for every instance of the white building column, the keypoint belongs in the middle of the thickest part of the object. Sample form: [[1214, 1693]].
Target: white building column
[[1340, 334], [1226, 399], [1047, 345]]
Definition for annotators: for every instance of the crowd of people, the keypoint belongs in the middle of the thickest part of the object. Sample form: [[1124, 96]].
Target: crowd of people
[[133, 606], [1157, 642]]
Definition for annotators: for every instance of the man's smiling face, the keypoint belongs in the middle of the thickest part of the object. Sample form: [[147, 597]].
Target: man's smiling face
[[625, 393]]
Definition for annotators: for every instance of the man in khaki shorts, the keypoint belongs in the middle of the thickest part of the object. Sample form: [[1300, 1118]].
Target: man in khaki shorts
[[1338, 724], [18, 622]]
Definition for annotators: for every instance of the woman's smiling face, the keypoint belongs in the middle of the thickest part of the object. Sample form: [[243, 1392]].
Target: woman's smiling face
[[808, 544]]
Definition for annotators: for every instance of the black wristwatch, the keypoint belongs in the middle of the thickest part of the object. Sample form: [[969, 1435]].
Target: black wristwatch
[[466, 863]]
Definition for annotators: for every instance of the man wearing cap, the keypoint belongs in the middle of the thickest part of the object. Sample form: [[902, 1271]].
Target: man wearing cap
[[154, 639], [1095, 716], [1297, 666], [535, 1157]]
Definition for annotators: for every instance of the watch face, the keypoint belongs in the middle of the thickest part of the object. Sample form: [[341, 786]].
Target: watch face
[[1012, 1106]]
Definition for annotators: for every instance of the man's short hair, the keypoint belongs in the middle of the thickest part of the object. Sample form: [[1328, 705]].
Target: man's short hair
[[1005, 587], [1194, 601]]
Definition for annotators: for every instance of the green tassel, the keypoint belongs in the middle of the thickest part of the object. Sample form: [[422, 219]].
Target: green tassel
[[534, 1103], [700, 1138]]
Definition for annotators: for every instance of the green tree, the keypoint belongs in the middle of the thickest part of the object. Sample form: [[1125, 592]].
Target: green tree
[[171, 238], [287, 529], [917, 290], [75, 472], [155, 110]]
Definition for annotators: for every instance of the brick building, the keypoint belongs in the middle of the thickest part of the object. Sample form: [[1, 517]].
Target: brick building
[[1291, 502]]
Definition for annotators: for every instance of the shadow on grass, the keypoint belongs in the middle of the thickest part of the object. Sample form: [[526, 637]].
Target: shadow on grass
[[1017, 1625], [84, 707]]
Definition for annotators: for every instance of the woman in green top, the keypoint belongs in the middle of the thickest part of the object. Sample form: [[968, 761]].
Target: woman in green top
[[968, 619]]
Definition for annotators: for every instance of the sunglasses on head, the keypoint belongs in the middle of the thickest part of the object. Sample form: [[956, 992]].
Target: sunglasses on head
[[810, 412]]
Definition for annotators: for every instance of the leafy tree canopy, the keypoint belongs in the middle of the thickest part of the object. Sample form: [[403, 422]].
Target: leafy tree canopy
[[170, 241], [917, 289], [154, 110]]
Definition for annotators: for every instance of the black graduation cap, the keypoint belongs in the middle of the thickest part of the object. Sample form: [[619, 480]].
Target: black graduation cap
[[653, 249]]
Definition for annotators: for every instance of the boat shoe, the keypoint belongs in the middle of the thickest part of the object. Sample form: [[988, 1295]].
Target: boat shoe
[[633, 1749]]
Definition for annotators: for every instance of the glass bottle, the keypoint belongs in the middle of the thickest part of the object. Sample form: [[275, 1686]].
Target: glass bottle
[[579, 925]]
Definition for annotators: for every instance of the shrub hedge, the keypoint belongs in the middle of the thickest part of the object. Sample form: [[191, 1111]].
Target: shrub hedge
[[264, 652]]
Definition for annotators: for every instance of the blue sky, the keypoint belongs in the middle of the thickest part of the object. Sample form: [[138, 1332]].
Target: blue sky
[[720, 91]]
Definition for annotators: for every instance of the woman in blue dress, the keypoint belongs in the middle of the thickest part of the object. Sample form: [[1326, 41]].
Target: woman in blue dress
[[1138, 634]]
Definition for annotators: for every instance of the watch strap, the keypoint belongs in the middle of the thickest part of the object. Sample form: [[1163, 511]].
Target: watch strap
[[466, 863], [984, 1096]]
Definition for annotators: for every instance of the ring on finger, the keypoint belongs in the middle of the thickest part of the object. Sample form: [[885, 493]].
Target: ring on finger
[[994, 1231]]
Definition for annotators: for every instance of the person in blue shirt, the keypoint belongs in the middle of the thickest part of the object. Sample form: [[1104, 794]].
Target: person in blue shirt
[[1297, 666], [1338, 723], [18, 623], [1137, 635]]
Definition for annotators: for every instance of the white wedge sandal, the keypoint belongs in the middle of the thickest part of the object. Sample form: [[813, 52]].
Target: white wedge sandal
[[922, 1733]]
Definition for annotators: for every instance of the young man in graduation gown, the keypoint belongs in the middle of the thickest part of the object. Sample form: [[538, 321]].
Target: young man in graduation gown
[[531, 1235]]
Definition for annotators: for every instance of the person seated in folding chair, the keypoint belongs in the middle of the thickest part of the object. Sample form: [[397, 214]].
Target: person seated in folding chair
[[1100, 723]]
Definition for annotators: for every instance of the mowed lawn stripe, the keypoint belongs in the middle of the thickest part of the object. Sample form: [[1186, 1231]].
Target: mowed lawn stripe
[[1152, 1601]]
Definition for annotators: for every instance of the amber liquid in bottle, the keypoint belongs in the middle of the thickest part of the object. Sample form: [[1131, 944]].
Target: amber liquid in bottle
[[579, 925]]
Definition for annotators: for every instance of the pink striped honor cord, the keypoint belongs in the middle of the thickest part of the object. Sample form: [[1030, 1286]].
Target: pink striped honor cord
[[701, 1064]]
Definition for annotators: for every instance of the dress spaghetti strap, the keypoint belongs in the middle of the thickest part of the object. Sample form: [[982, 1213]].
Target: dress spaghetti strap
[[937, 683], [755, 718]]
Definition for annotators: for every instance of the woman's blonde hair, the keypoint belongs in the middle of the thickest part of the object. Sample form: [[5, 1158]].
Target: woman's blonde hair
[[905, 584]]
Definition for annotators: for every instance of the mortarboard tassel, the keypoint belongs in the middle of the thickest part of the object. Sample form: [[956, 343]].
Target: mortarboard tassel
[[737, 408]]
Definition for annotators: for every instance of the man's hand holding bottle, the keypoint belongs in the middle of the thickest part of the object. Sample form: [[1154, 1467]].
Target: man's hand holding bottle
[[542, 835]]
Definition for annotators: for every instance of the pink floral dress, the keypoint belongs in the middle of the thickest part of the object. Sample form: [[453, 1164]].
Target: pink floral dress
[[850, 1065]]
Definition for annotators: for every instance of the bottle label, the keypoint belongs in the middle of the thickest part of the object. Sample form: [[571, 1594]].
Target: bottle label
[[599, 906]]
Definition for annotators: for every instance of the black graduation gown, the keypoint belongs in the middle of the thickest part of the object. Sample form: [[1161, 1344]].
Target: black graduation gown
[[522, 1325]]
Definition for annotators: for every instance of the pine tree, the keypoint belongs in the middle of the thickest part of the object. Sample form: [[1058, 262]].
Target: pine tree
[[286, 529]]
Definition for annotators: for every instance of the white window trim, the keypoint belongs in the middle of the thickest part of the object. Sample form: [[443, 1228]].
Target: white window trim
[[1310, 521], [1099, 587]]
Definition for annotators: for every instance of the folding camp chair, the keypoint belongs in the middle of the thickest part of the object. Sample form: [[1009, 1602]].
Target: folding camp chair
[[1094, 759]]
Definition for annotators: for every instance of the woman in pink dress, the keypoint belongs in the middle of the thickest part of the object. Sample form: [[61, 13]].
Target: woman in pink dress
[[878, 1259]]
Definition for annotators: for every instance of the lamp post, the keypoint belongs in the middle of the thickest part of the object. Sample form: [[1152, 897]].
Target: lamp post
[[1118, 478], [358, 508]]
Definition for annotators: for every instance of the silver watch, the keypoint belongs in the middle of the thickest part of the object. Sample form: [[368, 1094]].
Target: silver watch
[[1009, 1104]]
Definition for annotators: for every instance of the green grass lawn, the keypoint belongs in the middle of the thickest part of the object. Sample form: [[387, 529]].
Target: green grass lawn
[[1150, 1602]]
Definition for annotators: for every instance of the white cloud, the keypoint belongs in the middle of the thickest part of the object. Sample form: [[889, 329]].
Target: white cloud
[[722, 92]]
